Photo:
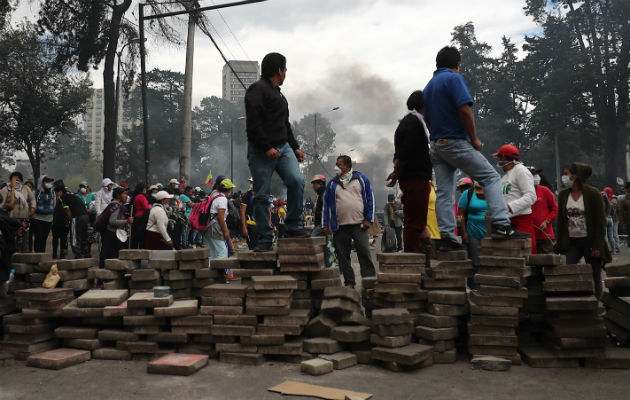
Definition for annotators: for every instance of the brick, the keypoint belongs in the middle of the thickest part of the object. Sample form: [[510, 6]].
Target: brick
[[102, 298], [491, 363], [339, 305], [83, 344], [192, 254], [316, 366], [236, 319], [236, 348], [390, 316], [618, 270], [30, 258], [506, 244], [289, 348], [494, 261], [399, 278], [148, 300], [273, 282], [436, 334], [232, 330], [43, 294], [267, 256], [393, 330], [179, 308], [400, 258], [390, 341], [320, 326], [493, 311], [486, 290], [540, 357], [452, 255], [112, 335], [447, 297], [178, 364], [134, 254], [225, 290], [572, 303], [142, 320], [242, 358], [342, 292], [321, 284], [507, 281], [163, 265], [317, 258], [72, 310], [341, 360], [263, 340], [448, 310], [58, 358], [495, 301], [546, 259], [351, 334], [109, 353], [397, 288], [322, 345], [401, 269], [494, 320], [568, 269], [74, 332], [411, 354]]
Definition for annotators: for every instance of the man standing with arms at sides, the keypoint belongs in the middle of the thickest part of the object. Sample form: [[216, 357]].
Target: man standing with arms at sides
[[455, 145], [248, 223], [272, 147]]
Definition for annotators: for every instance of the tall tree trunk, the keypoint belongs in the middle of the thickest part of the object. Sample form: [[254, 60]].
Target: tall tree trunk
[[109, 91]]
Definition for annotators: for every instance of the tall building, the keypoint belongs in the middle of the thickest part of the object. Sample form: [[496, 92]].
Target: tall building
[[94, 122], [248, 71]]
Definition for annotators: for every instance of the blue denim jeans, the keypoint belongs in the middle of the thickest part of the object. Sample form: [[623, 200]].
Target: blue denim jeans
[[455, 154], [262, 169]]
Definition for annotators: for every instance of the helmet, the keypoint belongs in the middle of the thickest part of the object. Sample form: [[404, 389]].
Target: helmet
[[508, 150], [318, 177], [464, 181]]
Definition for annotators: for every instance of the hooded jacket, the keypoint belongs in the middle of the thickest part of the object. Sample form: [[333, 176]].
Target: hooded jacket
[[45, 201], [103, 197], [593, 213], [330, 205]]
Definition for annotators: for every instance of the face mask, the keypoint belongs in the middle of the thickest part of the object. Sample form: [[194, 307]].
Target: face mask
[[536, 180], [83, 190], [566, 180], [153, 195], [18, 185], [48, 185], [502, 164], [337, 170]]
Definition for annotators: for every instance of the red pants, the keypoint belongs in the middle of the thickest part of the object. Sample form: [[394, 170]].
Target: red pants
[[415, 199], [525, 224]]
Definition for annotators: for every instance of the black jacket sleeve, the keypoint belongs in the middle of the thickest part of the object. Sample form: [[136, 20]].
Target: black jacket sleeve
[[254, 111]]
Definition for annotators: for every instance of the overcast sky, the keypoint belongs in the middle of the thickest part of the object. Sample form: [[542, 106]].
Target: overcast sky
[[360, 55]]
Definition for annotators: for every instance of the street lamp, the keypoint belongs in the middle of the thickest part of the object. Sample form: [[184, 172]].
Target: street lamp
[[232, 148], [315, 126], [119, 53]]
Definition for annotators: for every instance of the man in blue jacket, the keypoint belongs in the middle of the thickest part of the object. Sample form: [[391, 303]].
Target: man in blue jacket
[[348, 214]]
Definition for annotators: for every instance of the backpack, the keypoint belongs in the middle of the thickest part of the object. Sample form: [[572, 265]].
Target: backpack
[[233, 219], [200, 215], [100, 225], [388, 240]]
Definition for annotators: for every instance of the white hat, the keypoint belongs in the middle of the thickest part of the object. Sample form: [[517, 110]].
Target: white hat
[[107, 182], [163, 194], [197, 189], [174, 181], [153, 187]]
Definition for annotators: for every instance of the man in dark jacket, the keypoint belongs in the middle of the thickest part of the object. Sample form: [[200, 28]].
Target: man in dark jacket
[[272, 147]]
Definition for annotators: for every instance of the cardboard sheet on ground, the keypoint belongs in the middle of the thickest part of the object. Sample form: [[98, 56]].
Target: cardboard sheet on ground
[[304, 389]]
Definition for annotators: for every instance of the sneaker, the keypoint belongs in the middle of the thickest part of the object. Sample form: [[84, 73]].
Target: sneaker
[[263, 247], [298, 233], [450, 245], [507, 232], [231, 277]]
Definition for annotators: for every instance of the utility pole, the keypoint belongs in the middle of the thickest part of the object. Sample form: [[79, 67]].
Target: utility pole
[[185, 151], [557, 153]]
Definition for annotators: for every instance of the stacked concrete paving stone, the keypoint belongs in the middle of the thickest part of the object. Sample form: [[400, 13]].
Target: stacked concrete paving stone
[[443, 325], [398, 282], [28, 274], [495, 306], [392, 337], [31, 270], [617, 302], [32, 330]]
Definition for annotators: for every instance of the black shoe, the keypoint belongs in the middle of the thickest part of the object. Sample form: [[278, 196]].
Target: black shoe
[[263, 247], [507, 232], [298, 233], [450, 245]]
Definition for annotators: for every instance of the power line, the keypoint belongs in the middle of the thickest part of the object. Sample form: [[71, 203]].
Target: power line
[[221, 39], [233, 35], [204, 29]]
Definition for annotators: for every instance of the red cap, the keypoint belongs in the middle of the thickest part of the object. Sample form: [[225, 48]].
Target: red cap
[[508, 150]]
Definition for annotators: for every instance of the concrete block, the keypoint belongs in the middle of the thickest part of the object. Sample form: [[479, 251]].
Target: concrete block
[[613, 358], [115, 284], [206, 273], [120, 265], [317, 258], [322, 345], [143, 320], [148, 300], [316, 366], [389, 316], [436, 334], [363, 356], [75, 332], [402, 269], [221, 310], [399, 278], [495, 301], [110, 353], [222, 301], [569, 287], [72, 310], [236, 319], [491, 330], [116, 311], [320, 326], [448, 309], [573, 303], [447, 297], [138, 347], [400, 258], [295, 317], [341, 360], [274, 282], [546, 259], [58, 358], [486, 251], [498, 291], [540, 357], [393, 330], [23, 269], [390, 341], [262, 340], [76, 285], [445, 357], [235, 348], [193, 254], [396, 288], [176, 275], [30, 258], [435, 284], [289, 348], [321, 284], [351, 334], [327, 273], [113, 335], [301, 245], [289, 330], [338, 306], [568, 269], [134, 254], [507, 281], [268, 256], [163, 265], [268, 302], [179, 308], [249, 272], [617, 270], [178, 364], [491, 363], [495, 261], [79, 263], [261, 310], [103, 274], [102, 298], [491, 310], [491, 340], [411, 354], [506, 244], [452, 255], [83, 344], [43, 294], [492, 320], [342, 292], [242, 358], [225, 290], [232, 330]]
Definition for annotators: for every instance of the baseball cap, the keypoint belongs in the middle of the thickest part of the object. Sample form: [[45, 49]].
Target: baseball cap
[[227, 183], [464, 181], [174, 181], [508, 150], [153, 187], [163, 194], [318, 177]]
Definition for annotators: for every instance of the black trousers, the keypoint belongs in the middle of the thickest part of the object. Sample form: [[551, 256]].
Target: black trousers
[[399, 239], [579, 248], [110, 246], [80, 244], [343, 245], [41, 230], [60, 239], [252, 237]]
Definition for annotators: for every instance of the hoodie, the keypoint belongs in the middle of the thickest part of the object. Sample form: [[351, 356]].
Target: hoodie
[[45, 201], [593, 211], [103, 197]]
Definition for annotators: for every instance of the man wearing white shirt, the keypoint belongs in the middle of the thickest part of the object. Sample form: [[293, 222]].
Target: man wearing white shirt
[[519, 191]]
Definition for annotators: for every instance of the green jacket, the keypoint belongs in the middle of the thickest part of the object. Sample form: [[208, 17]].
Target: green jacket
[[594, 215]]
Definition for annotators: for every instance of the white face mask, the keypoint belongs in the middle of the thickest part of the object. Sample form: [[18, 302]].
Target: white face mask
[[337, 170], [48, 185], [536, 180], [83, 190], [18, 185], [566, 181]]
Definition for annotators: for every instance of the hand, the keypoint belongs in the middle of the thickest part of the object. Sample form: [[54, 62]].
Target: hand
[[392, 178], [170, 243], [130, 220], [476, 143], [272, 154], [544, 225], [32, 212], [326, 231], [366, 225], [300, 155]]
